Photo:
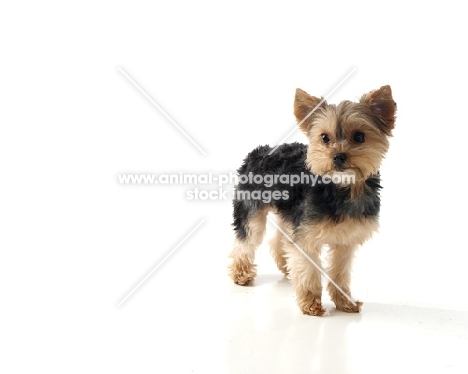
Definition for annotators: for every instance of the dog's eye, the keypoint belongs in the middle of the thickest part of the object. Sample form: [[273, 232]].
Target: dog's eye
[[325, 138], [359, 137]]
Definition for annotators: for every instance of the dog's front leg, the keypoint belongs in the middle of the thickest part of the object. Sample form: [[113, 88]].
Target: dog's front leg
[[339, 270], [305, 277]]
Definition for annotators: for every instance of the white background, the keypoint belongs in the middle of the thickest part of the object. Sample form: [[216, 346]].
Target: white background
[[74, 242]]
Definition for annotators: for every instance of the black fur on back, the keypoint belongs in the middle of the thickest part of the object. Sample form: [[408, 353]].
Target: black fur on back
[[305, 202]]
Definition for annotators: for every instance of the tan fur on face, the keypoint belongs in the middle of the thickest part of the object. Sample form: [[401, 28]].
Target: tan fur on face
[[374, 116], [364, 159]]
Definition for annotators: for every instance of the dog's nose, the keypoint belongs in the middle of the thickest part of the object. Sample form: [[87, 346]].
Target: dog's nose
[[339, 159]]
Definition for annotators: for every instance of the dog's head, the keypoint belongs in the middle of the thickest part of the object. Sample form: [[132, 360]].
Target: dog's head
[[348, 138]]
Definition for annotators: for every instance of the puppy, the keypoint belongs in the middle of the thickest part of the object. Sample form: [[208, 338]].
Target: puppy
[[325, 193]]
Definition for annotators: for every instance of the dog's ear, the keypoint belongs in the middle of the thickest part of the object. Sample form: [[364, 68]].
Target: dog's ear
[[383, 106], [304, 108]]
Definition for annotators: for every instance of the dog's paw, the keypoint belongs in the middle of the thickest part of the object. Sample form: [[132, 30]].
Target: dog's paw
[[342, 302], [242, 273], [243, 279], [311, 305], [348, 306]]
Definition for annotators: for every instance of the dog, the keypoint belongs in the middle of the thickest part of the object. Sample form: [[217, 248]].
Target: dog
[[334, 202]]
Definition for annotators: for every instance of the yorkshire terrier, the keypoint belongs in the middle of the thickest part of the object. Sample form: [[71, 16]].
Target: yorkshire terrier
[[335, 204]]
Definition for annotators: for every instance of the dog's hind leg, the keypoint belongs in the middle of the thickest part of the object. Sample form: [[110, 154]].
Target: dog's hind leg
[[250, 227], [278, 242]]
